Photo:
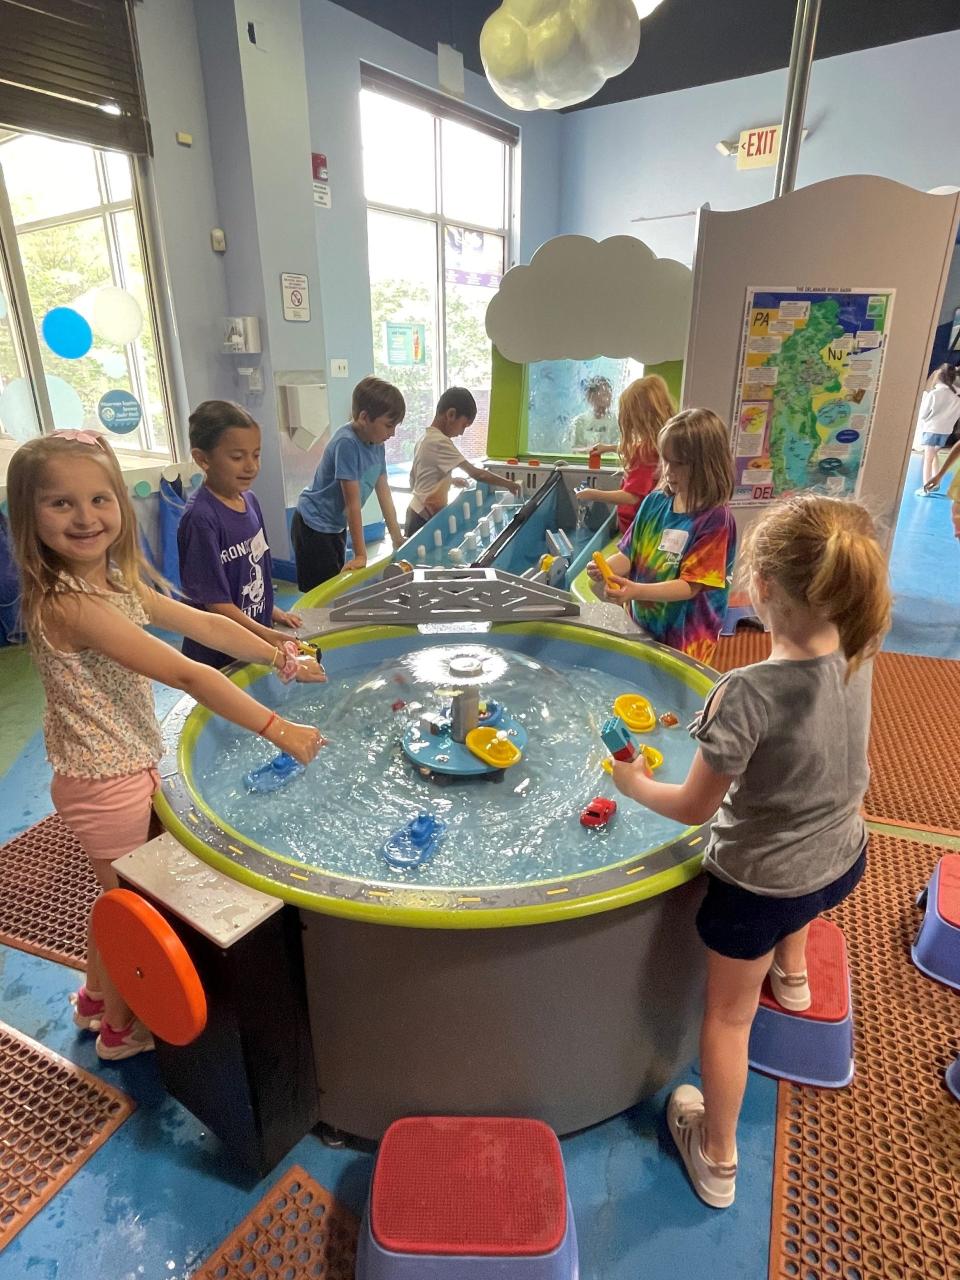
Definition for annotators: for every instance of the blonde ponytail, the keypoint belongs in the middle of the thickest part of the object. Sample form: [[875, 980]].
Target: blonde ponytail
[[823, 553]]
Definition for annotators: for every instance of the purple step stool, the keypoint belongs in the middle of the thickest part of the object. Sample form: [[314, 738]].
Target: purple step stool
[[936, 948], [814, 1047], [468, 1198]]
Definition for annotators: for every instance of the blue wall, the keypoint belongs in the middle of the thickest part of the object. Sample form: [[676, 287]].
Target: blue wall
[[885, 111]]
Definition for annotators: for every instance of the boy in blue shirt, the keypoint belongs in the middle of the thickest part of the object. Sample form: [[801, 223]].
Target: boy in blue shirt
[[353, 466]]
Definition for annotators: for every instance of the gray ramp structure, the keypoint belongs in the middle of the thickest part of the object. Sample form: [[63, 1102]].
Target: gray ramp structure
[[425, 596]]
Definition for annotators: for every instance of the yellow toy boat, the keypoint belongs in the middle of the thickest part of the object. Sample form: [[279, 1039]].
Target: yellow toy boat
[[636, 712], [652, 756], [493, 747]]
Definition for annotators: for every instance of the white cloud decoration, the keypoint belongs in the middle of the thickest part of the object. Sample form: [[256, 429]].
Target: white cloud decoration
[[580, 298], [553, 53]]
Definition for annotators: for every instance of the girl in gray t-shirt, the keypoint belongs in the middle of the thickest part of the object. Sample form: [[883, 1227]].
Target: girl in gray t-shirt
[[782, 770]]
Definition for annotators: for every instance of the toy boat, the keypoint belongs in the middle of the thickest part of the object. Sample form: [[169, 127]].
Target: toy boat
[[493, 747], [416, 843], [652, 756], [491, 714], [635, 712], [273, 775]]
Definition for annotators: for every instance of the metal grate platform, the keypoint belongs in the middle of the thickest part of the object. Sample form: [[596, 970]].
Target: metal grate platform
[[298, 1231], [867, 1179], [47, 888], [742, 649], [55, 1116]]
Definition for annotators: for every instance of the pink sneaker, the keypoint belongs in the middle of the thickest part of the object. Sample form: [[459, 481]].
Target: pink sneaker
[[113, 1045], [87, 1010]]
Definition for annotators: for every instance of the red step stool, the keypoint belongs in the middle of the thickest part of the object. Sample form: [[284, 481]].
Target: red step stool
[[816, 1046], [468, 1198]]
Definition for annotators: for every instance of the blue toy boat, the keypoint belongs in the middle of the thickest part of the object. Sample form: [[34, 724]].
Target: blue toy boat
[[273, 775], [416, 843]]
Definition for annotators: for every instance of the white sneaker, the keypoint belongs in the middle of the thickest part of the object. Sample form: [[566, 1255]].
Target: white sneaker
[[113, 1046], [790, 990], [715, 1184]]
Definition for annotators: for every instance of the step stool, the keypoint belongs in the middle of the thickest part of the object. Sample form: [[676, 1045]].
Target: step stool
[[814, 1047], [468, 1198], [936, 948]]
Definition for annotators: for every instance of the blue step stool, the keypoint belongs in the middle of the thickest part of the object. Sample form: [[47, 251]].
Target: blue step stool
[[468, 1198], [814, 1047], [936, 948], [952, 1077]]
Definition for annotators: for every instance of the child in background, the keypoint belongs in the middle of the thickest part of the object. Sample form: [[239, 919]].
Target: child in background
[[644, 408], [675, 563], [594, 429], [436, 457], [939, 411], [225, 564], [953, 493], [85, 604], [783, 757], [353, 466]]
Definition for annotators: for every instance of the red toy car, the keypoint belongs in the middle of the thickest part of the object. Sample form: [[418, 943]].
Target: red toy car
[[598, 812]]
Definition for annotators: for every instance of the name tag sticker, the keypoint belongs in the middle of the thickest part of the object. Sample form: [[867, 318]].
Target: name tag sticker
[[673, 541], [258, 546]]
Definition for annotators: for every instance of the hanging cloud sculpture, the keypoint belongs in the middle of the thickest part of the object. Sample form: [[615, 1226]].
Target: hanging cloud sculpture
[[554, 53]]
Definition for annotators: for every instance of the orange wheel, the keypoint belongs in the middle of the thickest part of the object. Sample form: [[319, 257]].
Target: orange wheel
[[149, 966]]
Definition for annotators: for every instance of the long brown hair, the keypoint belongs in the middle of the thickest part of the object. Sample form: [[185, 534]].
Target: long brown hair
[[701, 442], [644, 407], [41, 569], [823, 553]]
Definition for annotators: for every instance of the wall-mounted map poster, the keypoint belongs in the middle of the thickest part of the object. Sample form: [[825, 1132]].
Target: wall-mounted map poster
[[809, 375]]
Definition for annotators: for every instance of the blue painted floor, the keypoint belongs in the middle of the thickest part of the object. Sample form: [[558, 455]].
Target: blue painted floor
[[157, 1198], [925, 568]]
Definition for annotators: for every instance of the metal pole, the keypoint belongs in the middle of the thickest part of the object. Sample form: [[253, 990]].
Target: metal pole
[[798, 81]]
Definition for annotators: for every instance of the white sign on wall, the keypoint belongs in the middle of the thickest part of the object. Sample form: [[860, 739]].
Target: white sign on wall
[[295, 292]]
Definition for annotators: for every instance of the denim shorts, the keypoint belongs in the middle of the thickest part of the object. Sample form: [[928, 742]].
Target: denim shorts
[[933, 440], [745, 926]]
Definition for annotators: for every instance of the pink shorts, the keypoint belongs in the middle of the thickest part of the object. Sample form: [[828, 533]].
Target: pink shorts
[[108, 816]]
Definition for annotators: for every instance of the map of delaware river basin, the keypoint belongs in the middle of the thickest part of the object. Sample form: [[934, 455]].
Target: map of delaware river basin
[[810, 366]]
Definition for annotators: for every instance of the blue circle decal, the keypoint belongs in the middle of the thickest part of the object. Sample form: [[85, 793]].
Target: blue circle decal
[[847, 436], [119, 411], [66, 333]]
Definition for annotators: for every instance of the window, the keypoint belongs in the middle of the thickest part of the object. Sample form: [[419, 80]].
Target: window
[[73, 238], [437, 184], [572, 402]]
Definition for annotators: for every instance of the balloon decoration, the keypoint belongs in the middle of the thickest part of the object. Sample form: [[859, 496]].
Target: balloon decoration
[[554, 53], [18, 413], [116, 315], [113, 363], [66, 333]]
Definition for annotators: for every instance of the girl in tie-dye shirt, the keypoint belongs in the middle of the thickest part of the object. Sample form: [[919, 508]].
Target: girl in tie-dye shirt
[[673, 570]]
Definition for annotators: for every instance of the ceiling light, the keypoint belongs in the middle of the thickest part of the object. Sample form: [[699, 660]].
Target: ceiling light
[[110, 109]]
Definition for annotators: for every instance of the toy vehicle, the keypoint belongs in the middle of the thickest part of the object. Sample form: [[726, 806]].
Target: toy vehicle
[[416, 843], [273, 775], [636, 712], [598, 812]]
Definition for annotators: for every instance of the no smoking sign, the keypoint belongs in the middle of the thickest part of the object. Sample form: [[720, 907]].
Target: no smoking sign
[[295, 292]]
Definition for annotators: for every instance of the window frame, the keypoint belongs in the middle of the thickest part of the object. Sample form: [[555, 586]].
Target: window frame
[[25, 330], [387, 85]]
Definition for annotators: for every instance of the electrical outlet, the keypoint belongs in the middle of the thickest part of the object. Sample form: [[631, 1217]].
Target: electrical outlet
[[256, 379], [339, 369]]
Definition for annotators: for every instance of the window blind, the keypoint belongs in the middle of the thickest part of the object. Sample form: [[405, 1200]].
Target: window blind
[[70, 68]]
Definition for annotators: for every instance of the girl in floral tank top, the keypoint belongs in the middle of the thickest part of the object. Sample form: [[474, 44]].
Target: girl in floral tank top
[[86, 601]]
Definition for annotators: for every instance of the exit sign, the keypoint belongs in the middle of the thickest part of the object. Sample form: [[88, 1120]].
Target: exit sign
[[759, 148]]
